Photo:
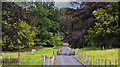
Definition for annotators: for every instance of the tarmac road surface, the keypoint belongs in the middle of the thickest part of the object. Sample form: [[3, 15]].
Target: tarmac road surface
[[65, 59]]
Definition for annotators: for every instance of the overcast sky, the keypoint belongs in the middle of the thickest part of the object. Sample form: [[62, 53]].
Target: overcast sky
[[63, 4]]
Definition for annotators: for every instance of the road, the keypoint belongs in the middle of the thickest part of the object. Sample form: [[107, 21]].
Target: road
[[65, 59]]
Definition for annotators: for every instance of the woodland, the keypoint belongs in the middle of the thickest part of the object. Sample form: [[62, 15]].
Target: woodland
[[32, 24]]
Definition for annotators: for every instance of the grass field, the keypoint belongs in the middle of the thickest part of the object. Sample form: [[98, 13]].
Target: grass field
[[28, 58], [101, 54]]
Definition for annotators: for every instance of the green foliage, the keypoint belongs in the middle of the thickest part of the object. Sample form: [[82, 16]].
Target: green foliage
[[27, 34], [47, 22], [17, 29], [106, 30], [56, 40], [76, 22]]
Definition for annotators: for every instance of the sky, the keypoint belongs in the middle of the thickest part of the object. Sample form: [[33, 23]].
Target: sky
[[63, 4]]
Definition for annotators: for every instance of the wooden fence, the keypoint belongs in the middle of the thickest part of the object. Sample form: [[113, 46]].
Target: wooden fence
[[48, 60], [11, 60], [18, 59], [96, 61]]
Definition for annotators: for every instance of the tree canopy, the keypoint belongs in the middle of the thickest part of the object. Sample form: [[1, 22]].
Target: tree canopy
[[47, 22], [30, 24], [106, 31], [76, 22], [17, 26]]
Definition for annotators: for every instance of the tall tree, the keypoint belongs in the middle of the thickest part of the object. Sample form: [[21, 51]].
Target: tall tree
[[47, 21], [17, 25], [106, 31], [77, 22]]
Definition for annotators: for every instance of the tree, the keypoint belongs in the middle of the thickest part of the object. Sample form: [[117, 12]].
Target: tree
[[106, 31], [47, 21], [29, 24], [76, 22], [56, 39], [17, 25]]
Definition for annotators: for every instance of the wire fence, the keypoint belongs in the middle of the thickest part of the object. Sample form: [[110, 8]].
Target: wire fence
[[96, 61], [30, 59], [11, 60]]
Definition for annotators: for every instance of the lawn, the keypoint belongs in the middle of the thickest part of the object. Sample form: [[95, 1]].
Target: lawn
[[101, 54], [28, 58]]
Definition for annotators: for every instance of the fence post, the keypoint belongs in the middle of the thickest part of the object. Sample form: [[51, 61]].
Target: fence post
[[19, 58], [105, 62], [46, 60], [115, 63], [79, 53], [96, 62], [55, 53], [102, 62], [89, 59], [52, 60], [3, 61], [83, 56], [93, 61], [110, 62], [86, 57], [99, 62], [42, 60], [10, 61]]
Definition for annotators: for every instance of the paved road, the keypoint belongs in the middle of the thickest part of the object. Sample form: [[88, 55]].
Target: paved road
[[66, 59]]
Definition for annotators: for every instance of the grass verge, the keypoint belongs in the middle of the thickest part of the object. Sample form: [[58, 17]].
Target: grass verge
[[100, 54]]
